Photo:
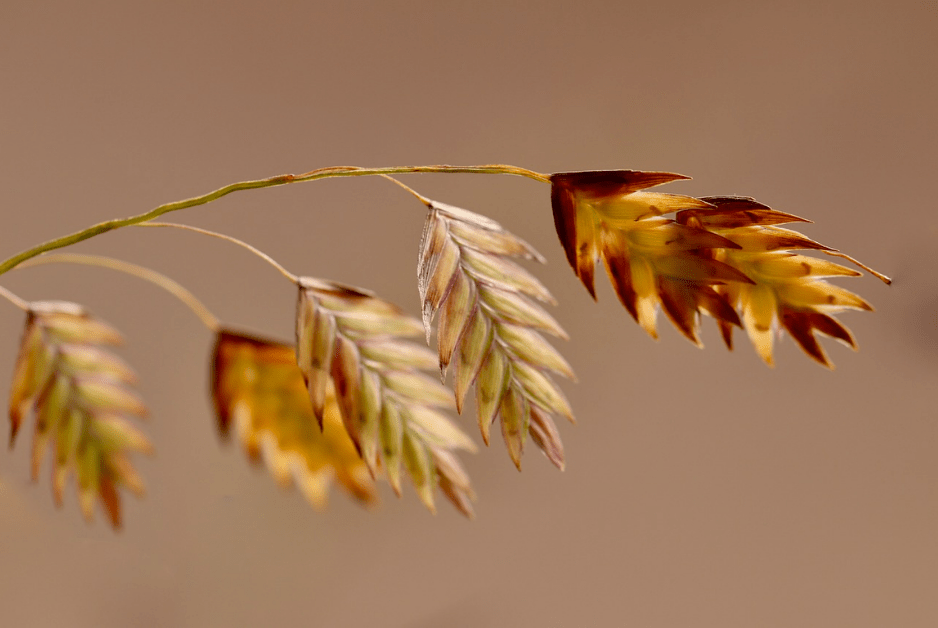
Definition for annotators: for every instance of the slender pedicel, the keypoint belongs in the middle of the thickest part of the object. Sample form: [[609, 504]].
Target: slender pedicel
[[420, 197], [264, 256], [15, 300], [141, 272]]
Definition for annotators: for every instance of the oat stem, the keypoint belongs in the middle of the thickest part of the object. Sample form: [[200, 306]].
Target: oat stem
[[15, 300], [420, 197], [312, 175], [264, 256], [141, 272]]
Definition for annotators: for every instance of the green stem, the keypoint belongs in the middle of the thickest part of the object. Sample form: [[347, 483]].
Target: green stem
[[284, 179]]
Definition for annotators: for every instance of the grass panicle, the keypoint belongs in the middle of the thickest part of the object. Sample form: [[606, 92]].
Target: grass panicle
[[83, 400], [490, 326], [355, 400]]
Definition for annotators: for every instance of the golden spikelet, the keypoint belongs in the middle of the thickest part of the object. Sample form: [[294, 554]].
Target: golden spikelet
[[259, 391], [787, 290], [722, 256], [489, 326], [391, 409], [82, 399]]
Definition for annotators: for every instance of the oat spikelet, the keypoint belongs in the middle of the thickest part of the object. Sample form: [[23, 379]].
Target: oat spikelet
[[390, 407], [83, 399], [788, 290], [650, 260], [721, 256], [259, 392], [491, 329]]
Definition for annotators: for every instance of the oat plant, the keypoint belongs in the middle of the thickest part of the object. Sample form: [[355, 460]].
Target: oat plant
[[356, 398]]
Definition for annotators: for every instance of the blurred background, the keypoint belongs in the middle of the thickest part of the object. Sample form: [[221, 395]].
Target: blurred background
[[702, 488]]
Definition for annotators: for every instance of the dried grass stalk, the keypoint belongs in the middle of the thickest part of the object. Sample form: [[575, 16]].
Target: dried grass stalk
[[490, 327], [83, 399], [260, 393], [721, 256], [390, 407]]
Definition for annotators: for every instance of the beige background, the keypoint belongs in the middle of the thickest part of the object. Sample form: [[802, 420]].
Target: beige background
[[702, 488]]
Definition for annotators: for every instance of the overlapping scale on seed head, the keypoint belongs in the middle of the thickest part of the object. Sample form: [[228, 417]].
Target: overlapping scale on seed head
[[393, 410], [83, 400], [260, 395], [788, 290], [651, 261], [722, 256], [489, 326]]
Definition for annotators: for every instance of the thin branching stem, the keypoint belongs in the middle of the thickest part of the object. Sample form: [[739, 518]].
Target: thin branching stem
[[264, 256], [15, 300], [420, 197], [141, 272], [284, 179]]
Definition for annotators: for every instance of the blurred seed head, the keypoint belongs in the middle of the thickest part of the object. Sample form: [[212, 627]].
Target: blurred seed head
[[83, 401]]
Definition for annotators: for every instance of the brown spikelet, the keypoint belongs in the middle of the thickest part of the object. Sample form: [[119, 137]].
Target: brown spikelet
[[650, 260], [390, 407], [259, 392], [489, 326], [722, 256], [82, 397]]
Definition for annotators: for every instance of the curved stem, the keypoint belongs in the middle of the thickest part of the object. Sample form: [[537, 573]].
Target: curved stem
[[264, 256], [284, 179], [141, 272], [420, 197], [15, 300]]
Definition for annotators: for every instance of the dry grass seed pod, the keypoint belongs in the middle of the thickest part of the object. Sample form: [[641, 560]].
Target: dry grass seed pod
[[82, 397], [489, 323], [389, 405], [722, 256], [260, 395]]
